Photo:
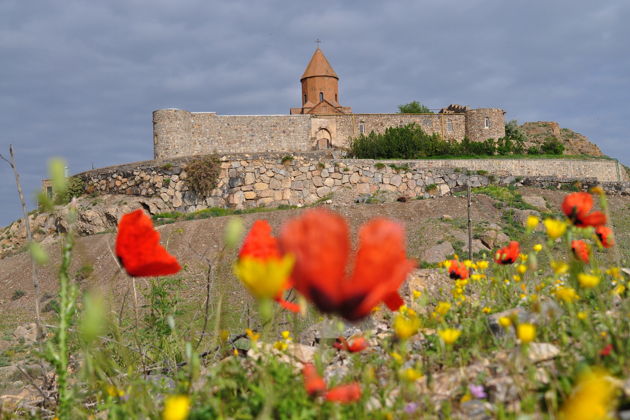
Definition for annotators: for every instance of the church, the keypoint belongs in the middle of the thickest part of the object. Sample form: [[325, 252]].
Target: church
[[320, 123]]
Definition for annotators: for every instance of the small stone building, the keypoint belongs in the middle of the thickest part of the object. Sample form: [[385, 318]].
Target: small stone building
[[320, 123]]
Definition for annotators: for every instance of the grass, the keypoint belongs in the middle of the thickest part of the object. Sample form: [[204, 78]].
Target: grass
[[174, 216]]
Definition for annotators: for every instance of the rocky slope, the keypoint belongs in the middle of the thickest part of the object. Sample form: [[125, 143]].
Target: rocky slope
[[574, 143]]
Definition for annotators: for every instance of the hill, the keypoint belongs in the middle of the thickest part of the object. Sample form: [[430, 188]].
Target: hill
[[574, 143]]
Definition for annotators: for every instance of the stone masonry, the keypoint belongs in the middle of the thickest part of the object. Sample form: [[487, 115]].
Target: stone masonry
[[274, 179]]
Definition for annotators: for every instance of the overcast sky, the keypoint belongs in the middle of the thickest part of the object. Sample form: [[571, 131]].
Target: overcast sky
[[79, 79]]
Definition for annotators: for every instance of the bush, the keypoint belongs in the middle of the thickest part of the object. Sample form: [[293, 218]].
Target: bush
[[552, 146], [203, 175], [18, 294], [533, 150], [74, 188], [414, 107]]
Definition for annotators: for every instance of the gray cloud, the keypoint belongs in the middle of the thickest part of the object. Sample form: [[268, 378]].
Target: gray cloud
[[79, 79]]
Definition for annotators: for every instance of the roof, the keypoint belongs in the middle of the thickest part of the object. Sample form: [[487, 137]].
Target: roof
[[319, 66]]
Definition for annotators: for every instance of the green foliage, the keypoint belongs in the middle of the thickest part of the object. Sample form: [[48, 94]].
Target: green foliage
[[75, 187], [203, 175], [286, 159], [17, 294], [552, 146], [162, 303], [413, 107], [379, 165], [507, 195]]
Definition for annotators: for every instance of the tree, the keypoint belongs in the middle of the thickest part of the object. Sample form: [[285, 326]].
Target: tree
[[414, 107]]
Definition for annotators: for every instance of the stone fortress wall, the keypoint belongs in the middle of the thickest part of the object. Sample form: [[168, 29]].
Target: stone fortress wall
[[250, 180], [179, 133]]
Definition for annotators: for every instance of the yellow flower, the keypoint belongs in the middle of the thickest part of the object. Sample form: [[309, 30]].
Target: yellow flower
[[406, 325], [597, 190], [411, 374], [523, 257], [555, 228], [280, 345], [176, 407], [264, 279], [582, 315], [449, 335], [477, 276], [559, 267], [466, 397], [592, 398], [532, 222], [112, 391], [522, 268], [505, 322], [468, 263], [486, 310], [442, 308], [235, 352], [252, 335], [526, 333], [537, 247], [516, 278], [566, 294], [286, 335], [604, 334], [482, 265], [588, 281], [619, 290], [614, 272], [397, 357], [416, 294]]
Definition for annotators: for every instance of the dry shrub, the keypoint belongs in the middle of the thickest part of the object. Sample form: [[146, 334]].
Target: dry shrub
[[203, 175]]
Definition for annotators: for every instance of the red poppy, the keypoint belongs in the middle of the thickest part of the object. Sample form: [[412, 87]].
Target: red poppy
[[261, 245], [344, 393], [356, 345], [313, 383], [580, 250], [457, 270], [318, 240], [138, 247], [605, 236], [508, 254], [606, 350], [576, 206]]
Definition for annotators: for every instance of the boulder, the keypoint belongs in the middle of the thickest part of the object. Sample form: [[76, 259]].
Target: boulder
[[438, 253]]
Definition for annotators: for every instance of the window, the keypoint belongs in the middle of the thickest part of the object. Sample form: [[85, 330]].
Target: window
[[305, 98], [336, 100], [486, 122], [449, 126], [49, 192], [321, 96], [362, 128]]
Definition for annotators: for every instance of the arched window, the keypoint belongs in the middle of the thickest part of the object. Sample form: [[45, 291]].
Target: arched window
[[321, 96]]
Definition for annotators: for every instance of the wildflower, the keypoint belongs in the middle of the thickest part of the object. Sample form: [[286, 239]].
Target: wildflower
[[344, 393], [582, 315], [416, 294], [138, 247], [516, 278], [286, 335], [112, 391], [313, 383], [261, 267], [566, 294], [580, 250], [442, 308], [356, 345], [537, 247], [457, 270], [319, 240], [559, 267], [477, 391], [411, 374], [397, 357], [505, 321], [477, 276], [406, 325], [614, 272], [522, 268], [606, 350], [597, 190], [605, 236], [252, 335], [576, 207], [618, 290], [449, 335], [526, 333], [411, 407], [486, 310], [588, 281], [482, 265], [592, 398], [176, 407], [555, 228], [508, 254], [532, 222], [280, 345], [224, 335]]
